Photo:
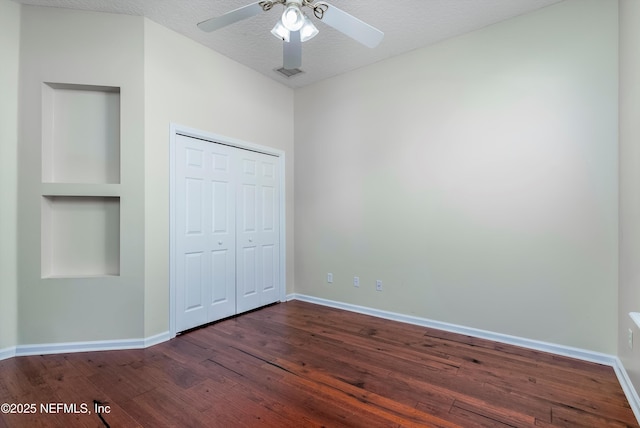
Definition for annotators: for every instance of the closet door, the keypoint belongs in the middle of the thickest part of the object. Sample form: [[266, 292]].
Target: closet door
[[227, 219], [205, 232], [258, 223]]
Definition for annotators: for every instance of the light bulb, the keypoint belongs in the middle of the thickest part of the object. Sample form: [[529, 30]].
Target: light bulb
[[308, 30], [292, 17], [280, 32]]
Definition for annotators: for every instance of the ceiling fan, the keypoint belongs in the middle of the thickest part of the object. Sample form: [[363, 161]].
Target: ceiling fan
[[295, 27]]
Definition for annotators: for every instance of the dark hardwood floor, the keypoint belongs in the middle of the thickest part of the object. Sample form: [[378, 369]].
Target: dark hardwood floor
[[296, 364]]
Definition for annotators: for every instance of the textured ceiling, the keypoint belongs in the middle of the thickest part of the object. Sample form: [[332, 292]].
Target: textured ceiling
[[407, 24]]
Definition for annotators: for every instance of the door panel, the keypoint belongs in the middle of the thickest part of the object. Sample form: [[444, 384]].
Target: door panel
[[194, 195], [193, 276], [268, 209], [222, 239], [249, 260], [220, 277], [270, 229], [268, 267], [220, 207], [205, 226], [190, 238], [249, 207], [259, 211]]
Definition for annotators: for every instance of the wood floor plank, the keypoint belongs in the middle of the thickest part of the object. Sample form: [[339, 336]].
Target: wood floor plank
[[296, 364], [471, 419], [363, 344], [266, 379], [563, 416], [78, 389], [387, 408]]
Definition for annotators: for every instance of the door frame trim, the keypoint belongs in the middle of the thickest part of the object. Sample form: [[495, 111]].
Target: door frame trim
[[176, 129]]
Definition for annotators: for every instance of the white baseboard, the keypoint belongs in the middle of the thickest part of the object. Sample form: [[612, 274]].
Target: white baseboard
[[7, 353], [69, 347], [157, 339], [567, 351], [628, 388]]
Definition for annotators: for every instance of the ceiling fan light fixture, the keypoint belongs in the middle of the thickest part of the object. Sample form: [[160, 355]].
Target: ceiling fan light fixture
[[292, 17], [280, 32], [308, 30], [294, 27]]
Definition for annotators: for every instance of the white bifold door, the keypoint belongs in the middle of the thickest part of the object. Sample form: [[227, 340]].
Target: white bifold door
[[226, 231]]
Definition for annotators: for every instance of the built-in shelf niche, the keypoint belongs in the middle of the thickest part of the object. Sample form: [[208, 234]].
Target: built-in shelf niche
[[80, 236], [80, 133]]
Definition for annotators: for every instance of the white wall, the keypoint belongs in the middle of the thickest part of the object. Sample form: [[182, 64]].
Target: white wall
[[477, 178], [10, 48], [189, 85], [77, 47], [629, 185]]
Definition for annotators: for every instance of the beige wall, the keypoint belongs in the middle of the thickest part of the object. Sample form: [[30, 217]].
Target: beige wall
[[189, 85], [629, 293], [10, 48], [67, 46], [476, 178], [164, 78]]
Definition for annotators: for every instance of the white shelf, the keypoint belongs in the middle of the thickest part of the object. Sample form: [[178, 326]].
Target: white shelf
[[80, 189]]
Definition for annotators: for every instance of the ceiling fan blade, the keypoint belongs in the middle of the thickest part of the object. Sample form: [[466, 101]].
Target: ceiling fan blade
[[229, 18], [292, 51], [351, 26]]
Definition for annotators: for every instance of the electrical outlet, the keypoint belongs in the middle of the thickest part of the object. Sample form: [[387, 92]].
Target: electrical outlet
[[356, 281], [330, 278], [378, 285], [630, 338]]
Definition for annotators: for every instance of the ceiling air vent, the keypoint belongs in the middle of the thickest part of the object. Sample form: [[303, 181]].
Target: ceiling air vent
[[288, 72]]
